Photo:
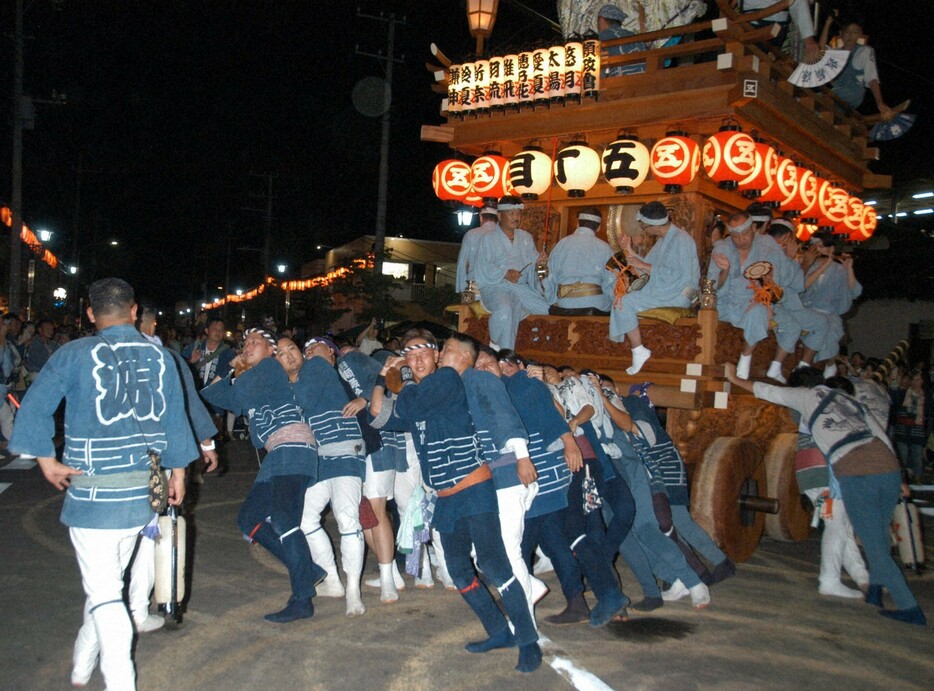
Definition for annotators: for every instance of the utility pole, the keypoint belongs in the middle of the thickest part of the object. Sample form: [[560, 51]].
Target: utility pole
[[267, 235], [388, 60], [17, 177]]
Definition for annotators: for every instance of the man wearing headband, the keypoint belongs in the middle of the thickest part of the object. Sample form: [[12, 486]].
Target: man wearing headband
[[578, 281], [506, 275], [433, 403], [272, 512], [674, 275], [830, 286], [819, 332], [728, 260], [761, 216], [470, 245], [323, 398]]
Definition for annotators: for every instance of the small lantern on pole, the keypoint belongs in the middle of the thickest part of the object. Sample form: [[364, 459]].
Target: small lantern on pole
[[481, 15]]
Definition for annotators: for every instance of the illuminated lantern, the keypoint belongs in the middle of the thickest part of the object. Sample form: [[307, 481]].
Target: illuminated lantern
[[510, 77], [625, 163], [524, 78], [555, 74], [454, 94], [853, 221], [867, 226], [489, 175], [481, 85], [804, 191], [810, 213], [832, 206], [729, 156], [451, 180], [784, 184], [539, 76], [590, 70], [466, 88], [763, 172], [530, 172], [804, 231], [675, 160], [573, 64], [495, 90], [577, 168]]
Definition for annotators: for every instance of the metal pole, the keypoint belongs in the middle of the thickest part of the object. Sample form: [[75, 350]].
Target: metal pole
[[17, 177], [380, 242]]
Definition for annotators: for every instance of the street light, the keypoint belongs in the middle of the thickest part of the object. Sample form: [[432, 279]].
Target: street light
[[481, 15], [44, 235]]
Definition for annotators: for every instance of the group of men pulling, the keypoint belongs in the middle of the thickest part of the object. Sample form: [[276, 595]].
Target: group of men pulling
[[761, 281]]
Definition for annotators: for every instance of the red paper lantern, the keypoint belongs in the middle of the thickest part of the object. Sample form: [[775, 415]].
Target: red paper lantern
[[451, 180], [729, 156], [853, 220], [810, 213], [804, 191], [489, 176], [831, 204], [867, 226], [785, 183], [675, 160], [763, 172], [804, 231]]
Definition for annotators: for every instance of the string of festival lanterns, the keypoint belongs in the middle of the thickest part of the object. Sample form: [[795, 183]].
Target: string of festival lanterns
[[730, 157]]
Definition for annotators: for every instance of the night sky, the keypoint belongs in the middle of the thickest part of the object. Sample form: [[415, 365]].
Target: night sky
[[176, 112]]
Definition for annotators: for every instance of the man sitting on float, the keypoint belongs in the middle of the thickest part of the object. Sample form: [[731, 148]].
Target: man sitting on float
[[578, 281], [751, 273], [673, 272]]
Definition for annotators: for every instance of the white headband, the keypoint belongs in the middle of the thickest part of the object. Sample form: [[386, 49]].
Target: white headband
[[760, 219], [742, 227], [651, 221], [589, 217], [488, 210], [509, 206], [783, 222]]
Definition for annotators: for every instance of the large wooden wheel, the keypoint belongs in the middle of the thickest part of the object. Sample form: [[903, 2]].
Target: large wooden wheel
[[731, 467], [792, 523]]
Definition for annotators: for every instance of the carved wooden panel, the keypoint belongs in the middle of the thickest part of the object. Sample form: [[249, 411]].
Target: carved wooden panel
[[479, 329], [730, 344], [759, 421], [543, 334]]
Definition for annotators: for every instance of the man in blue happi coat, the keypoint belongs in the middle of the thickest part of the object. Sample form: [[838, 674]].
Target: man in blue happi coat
[[123, 400], [433, 403], [272, 512]]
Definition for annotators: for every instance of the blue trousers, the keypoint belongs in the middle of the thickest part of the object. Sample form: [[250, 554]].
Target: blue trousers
[[870, 501], [281, 500], [545, 531]]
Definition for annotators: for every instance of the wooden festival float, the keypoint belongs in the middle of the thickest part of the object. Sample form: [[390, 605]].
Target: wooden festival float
[[708, 126]]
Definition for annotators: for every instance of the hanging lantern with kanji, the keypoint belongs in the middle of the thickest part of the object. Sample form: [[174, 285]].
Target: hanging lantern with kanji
[[539, 76], [577, 168], [573, 66], [524, 78], [481, 86], [784, 184], [590, 70], [811, 212], [804, 192], [853, 220], [675, 160], [511, 82], [625, 163], [555, 73], [454, 90], [530, 172], [451, 180], [489, 175], [832, 206], [729, 156], [763, 172], [495, 90], [868, 225]]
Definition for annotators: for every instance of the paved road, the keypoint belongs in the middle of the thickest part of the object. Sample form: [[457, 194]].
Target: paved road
[[766, 628]]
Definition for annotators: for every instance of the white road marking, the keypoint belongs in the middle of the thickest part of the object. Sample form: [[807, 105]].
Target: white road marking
[[577, 676], [4, 485]]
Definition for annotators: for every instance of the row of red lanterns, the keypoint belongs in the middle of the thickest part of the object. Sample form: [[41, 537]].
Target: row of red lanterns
[[730, 157]]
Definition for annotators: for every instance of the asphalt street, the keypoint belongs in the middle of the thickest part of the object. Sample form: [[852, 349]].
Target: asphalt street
[[766, 628]]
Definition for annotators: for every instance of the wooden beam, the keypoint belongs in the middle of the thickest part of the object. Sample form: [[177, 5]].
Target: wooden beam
[[442, 58], [443, 134]]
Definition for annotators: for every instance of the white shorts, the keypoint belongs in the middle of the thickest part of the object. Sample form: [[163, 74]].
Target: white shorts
[[378, 484]]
